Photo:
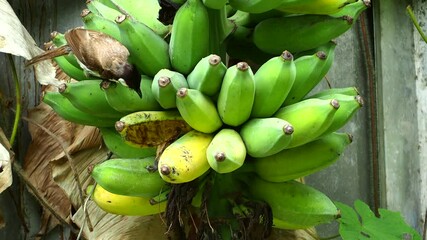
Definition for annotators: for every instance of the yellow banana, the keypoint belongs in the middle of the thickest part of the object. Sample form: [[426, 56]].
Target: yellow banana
[[185, 159], [124, 205]]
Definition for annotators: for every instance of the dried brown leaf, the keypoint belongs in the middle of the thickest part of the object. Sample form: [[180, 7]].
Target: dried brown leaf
[[6, 158], [110, 226]]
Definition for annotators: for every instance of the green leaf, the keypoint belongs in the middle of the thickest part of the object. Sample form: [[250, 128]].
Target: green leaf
[[362, 223]]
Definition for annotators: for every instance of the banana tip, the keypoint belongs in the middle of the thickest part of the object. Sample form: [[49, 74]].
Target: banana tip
[[288, 129], [119, 126], [120, 18], [242, 66], [335, 103], [182, 92], [62, 87], [165, 170], [85, 12], [286, 55], [164, 81], [220, 156], [214, 60]]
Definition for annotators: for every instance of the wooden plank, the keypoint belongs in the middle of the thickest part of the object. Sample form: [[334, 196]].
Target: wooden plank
[[401, 115]]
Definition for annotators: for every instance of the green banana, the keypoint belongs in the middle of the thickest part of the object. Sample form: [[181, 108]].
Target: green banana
[[313, 6], [58, 39], [300, 161], [226, 152], [198, 110], [255, 6], [307, 31], [266, 136], [207, 75], [70, 69], [143, 11], [129, 177], [189, 40], [116, 144], [215, 4], [348, 107], [151, 128], [63, 107], [294, 205], [125, 100], [89, 97], [67, 63], [311, 69], [124, 205], [104, 9], [237, 94], [165, 85], [273, 81], [98, 23], [185, 159], [148, 51], [310, 119], [350, 91]]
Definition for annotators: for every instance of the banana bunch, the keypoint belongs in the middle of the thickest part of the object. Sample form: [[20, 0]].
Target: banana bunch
[[224, 105]]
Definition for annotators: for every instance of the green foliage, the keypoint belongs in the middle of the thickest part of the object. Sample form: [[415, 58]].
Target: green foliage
[[363, 224]]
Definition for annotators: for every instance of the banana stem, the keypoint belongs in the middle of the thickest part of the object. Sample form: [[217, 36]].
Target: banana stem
[[220, 28], [18, 100], [415, 22]]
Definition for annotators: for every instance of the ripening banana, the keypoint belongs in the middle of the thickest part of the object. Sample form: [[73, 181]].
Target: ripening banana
[[151, 128], [63, 107], [226, 152], [198, 110], [237, 94], [116, 144], [215, 4], [348, 107], [273, 81], [266, 136], [129, 177], [298, 33], [313, 6], [88, 97], [185, 159], [311, 69], [189, 41], [310, 118], [207, 75], [124, 205], [350, 91], [126, 100], [98, 23], [165, 85], [294, 205], [255, 6], [148, 51], [300, 161]]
